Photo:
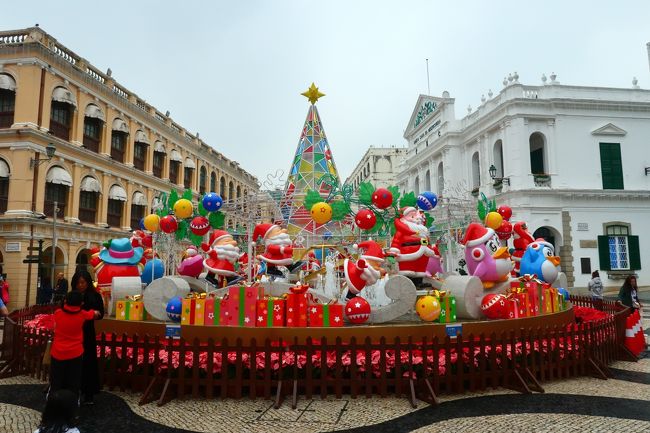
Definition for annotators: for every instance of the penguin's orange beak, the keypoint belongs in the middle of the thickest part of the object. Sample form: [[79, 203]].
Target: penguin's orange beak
[[502, 253], [554, 259]]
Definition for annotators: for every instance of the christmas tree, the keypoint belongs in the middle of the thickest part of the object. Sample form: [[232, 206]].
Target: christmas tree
[[312, 169]]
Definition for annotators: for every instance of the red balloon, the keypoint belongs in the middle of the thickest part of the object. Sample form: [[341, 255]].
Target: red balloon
[[505, 212], [168, 224], [200, 225], [505, 230], [365, 219], [382, 198], [495, 306], [357, 310]]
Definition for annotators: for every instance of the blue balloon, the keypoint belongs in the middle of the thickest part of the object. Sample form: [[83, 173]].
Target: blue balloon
[[174, 308], [141, 224], [153, 270], [427, 200], [212, 202]]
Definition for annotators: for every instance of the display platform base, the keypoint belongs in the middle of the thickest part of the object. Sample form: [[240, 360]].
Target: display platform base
[[416, 331]]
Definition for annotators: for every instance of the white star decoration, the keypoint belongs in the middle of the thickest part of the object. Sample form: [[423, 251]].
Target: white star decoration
[[247, 320], [260, 318], [313, 309], [210, 316], [276, 307], [357, 304], [337, 319], [278, 317], [290, 309]]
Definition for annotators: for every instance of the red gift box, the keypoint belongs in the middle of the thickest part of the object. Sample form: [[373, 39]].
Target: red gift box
[[212, 311], [297, 304], [512, 308], [270, 312], [326, 315], [239, 306]]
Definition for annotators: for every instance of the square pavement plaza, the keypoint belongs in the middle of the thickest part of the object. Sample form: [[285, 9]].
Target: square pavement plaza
[[620, 404]]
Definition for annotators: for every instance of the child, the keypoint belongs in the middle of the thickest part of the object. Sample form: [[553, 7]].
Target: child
[[67, 346], [59, 413]]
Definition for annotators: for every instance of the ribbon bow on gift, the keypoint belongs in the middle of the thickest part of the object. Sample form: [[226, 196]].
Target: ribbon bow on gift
[[438, 293], [298, 289], [529, 278], [194, 295], [516, 290], [134, 298]]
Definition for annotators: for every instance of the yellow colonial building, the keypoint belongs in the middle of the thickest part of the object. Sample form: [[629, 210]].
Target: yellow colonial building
[[71, 135]]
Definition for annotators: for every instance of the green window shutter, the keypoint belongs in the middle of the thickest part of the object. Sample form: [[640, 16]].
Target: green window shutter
[[634, 252], [603, 253], [611, 165]]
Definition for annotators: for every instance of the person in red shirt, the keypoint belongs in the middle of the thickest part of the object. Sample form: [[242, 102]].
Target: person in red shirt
[[67, 346]]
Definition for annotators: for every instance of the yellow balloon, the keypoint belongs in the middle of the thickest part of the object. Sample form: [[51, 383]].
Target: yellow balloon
[[183, 208], [428, 308], [493, 220], [152, 222], [321, 212]]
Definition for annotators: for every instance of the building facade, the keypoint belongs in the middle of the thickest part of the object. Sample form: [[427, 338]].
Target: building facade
[[571, 161], [379, 166], [113, 155]]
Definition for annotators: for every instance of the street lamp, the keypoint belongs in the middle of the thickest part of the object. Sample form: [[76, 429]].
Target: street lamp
[[50, 150], [493, 173]]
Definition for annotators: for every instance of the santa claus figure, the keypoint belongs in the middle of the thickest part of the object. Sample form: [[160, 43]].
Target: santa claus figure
[[521, 239], [312, 263], [410, 245], [223, 253], [277, 247], [365, 271]]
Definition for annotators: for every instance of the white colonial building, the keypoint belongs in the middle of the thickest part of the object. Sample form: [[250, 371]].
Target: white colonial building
[[571, 161], [379, 166]]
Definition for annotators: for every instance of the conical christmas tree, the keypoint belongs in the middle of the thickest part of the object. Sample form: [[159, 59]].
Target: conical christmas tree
[[312, 169]]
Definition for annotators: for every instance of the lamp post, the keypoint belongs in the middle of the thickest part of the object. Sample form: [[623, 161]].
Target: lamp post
[[493, 175], [34, 163]]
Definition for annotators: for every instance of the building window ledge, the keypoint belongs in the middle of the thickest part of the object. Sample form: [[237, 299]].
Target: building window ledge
[[620, 275], [542, 179]]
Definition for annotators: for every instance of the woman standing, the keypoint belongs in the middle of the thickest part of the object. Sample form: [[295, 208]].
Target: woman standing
[[628, 294], [83, 282]]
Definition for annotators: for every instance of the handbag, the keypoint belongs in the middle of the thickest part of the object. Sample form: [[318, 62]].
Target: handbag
[[47, 355]]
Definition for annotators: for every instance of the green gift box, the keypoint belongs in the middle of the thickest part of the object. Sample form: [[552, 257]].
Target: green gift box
[[447, 309]]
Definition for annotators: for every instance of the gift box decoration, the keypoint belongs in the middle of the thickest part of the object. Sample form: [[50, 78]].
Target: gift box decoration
[[193, 309], [239, 306], [212, 313], [447, 306], [270, 312], [549, 299], [325, 315], [131, 308], [532, 286], [513, 307]]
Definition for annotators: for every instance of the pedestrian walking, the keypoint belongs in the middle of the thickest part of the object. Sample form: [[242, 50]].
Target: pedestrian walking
[[82, 282], [595, 286], [628, 294], [60, 288]]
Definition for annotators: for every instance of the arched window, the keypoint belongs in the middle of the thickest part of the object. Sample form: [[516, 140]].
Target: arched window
[[231, 190], [82, 263], [119, 135], [175, 160], [158, 158], [238, 191], [93, 122], [190, 165], [7, 100], [4, 185], [57, 184], [416, 185], [213, 182], [441, 178], [203, 174], [88, 198], [138, 209], [427, 181], [140, 148], [63, 105], [498, 158], [537, 153], [116, 199], [222, 187], [476, 171]]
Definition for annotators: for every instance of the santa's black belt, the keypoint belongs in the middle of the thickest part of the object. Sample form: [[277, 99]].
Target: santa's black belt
[[414, 244]]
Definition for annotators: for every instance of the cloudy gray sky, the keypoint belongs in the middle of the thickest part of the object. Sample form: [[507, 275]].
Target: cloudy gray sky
[[234, 71]]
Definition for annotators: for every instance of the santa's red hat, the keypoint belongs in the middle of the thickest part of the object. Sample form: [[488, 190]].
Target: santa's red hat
[[544, 242], [218, 235], [407, 210], [262, 231], [477, 234], [372, 251]]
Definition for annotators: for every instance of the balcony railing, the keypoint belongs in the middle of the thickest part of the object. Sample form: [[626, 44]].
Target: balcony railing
[[114, 220], [542, 179], [3, 204], [6, 119], [138, 163], [87, 215], [48, 209], [157, 171], [91, 143], [117, 154], [60, 130]]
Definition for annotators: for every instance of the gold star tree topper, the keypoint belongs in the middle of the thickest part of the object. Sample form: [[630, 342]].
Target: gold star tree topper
[[312, 94]]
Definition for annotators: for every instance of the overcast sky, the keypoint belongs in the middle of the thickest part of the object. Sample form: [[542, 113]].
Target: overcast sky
[[234, 71]]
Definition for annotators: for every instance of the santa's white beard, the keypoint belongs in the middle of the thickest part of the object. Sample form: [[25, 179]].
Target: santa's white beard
[[281, 239], [227, 252], [419, 229]]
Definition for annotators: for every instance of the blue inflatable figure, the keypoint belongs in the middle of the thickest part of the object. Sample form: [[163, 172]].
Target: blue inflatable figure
[[540, 259], [174, 308], [153, 270]]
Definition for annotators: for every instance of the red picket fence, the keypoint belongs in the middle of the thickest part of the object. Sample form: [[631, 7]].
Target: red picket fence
[[521, 359]]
